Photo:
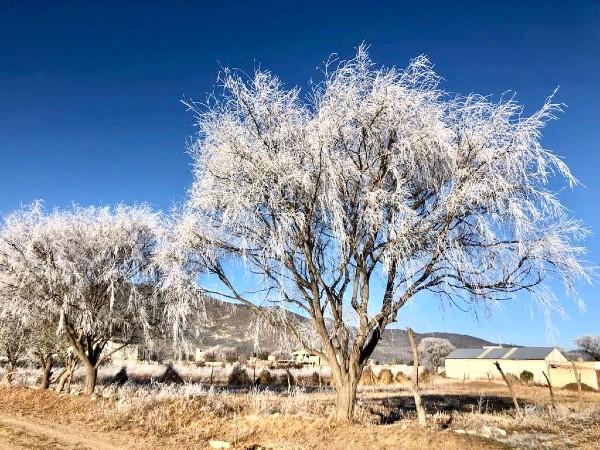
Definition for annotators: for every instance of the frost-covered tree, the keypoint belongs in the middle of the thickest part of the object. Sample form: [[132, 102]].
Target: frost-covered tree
[[33, 332], [46, 345], [590, 344], [14, 338], [433, 352], [90, 270], [377, 186]]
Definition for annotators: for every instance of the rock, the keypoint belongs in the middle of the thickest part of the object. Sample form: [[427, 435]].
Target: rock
[[219, 444], [486, 431], [500, 432], [460, 431], [489, 432]]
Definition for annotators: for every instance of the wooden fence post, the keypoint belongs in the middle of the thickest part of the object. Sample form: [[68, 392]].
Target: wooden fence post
[[550, 388], [510, 389], [415, 381]]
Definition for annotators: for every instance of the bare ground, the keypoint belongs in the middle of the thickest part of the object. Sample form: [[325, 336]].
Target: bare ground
[[37, 419], [34, 433]]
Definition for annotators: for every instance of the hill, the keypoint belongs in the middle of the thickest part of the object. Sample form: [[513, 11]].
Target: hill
[[233, 325]]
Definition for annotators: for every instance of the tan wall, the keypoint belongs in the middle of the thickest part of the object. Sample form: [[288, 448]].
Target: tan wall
[[478, 369], [561, 375], [556, 365], [471, 369], [395, 369]]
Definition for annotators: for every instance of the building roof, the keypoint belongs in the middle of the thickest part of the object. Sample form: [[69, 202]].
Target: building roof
[[495, 353], [531, 353], [465, 353], [527, 353]]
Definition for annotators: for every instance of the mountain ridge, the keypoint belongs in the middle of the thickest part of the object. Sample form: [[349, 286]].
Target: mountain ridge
[[233, 325]]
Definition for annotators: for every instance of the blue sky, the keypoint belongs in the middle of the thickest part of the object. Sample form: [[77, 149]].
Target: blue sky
[[90, 111]]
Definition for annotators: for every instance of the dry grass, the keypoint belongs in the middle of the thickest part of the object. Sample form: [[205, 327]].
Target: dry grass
[[189, 413], [386, 377], [181, 424]]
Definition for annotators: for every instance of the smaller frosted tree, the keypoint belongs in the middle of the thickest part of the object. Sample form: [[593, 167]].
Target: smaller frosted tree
[[90, 270], [14, 334], [590, 344], [29, 331], [433, 352], [47, 346]]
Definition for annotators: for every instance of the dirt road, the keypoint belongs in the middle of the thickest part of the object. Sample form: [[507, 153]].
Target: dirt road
[[18, 433]]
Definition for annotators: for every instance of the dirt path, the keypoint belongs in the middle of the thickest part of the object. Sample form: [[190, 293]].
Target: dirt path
[[32, 433]]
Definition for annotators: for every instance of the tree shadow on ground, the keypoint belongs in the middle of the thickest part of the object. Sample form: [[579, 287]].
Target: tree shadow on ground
[[394, 408]]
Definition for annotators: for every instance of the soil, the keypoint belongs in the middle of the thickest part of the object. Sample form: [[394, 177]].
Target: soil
[[34, 419], [35, 433], [31, 419]]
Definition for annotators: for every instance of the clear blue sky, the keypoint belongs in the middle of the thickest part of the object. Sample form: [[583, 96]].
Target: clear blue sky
[[90, 111]]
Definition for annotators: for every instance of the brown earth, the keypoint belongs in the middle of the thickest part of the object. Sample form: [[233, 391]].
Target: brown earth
[[46, 420], [30, 418]]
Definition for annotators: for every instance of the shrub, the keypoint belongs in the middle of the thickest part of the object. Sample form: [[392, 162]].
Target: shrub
[[230, 357], [386, 376], [367, 376], [512, 377], [286, 379], [526, 376], [265, 378], [120, 377], [238, 376], [573, 387], [170, 376], [402, 378], [424, 376], [262, 356], [315, 378]]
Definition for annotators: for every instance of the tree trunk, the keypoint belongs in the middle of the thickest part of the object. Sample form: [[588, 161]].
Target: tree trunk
[[91, 375], [61, 380], [346, 398], [47, 364], [8, 374], [415, 379]]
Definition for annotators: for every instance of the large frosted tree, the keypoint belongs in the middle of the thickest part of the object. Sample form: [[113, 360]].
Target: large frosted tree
[[89, 271], [350, 201]]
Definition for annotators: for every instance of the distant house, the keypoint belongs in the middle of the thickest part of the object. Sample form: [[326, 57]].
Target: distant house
[[121, 353], [306, 358], [478, 363]]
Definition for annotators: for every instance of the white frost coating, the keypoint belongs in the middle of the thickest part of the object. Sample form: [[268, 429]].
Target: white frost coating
[[91, 271], [376, 171]]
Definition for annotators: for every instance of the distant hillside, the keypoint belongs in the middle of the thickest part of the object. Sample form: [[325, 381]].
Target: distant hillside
[[395, 344], [232, 326]]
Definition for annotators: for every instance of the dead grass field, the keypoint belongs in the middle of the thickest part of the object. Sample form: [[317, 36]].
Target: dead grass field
[[470, 416]]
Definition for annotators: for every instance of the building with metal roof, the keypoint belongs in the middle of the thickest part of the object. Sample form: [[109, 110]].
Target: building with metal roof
[[479, 363]]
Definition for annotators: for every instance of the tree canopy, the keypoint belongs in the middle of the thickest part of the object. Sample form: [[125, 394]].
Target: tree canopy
[[376, 176]]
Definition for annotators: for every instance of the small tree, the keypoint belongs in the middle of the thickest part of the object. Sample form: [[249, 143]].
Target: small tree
[[526, 376], [376, 177], [89, 270], [47, 345], [14, 337], [433, 352], [590, 344]]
